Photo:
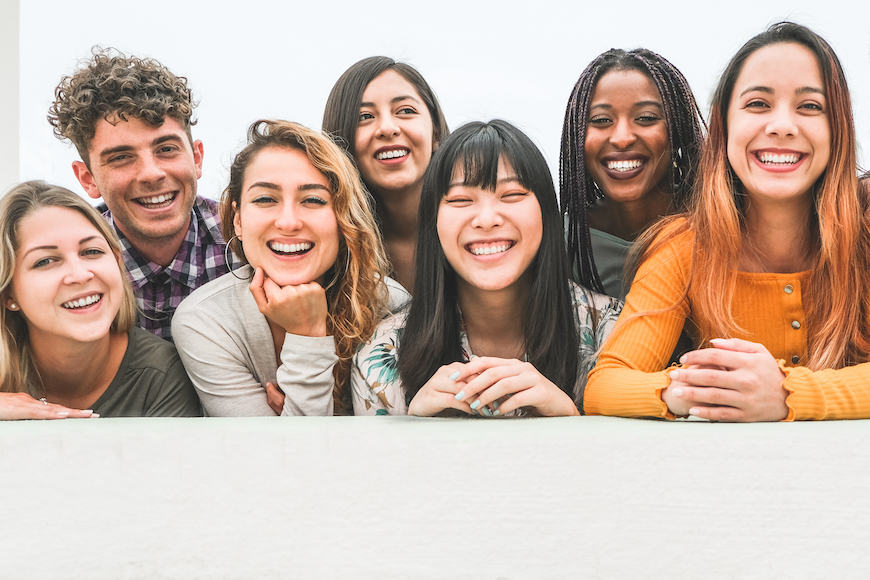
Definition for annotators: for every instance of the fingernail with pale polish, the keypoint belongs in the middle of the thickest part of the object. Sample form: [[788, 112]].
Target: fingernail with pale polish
[[459, 396], [485, 412], [454, 376], [694, 411], [677, 391], [95, 416], [475, 404], [675, 375], [496, 413]]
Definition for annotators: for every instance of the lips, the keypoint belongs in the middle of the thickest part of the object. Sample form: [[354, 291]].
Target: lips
[[392, 153], [778, 160], [83, 302], [157, 201], [287, 249], [490, 247], [624, 166]]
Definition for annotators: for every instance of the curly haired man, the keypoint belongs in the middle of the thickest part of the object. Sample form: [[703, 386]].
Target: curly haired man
[[130, 120]]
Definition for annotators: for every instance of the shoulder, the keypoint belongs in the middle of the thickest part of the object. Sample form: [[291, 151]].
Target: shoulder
[[149, 352], [385, 337], [208, 215], [225, 301], [397, 296], [219, 291], [671, 248]]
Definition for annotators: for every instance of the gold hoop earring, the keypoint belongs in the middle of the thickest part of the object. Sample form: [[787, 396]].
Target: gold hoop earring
[[227, 257]]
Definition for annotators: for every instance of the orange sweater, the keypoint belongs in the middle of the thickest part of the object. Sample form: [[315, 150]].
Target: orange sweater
[[630, 376]]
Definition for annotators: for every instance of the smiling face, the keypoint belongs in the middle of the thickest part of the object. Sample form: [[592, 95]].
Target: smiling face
[[146, 175], [779, 136], [627, 150], [67, 282], [394, 136], [285, 218], [489, 237]]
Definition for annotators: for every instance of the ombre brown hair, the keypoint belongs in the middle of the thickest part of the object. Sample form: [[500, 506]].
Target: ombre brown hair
[[839, 284], [17, 373], [357, 300]]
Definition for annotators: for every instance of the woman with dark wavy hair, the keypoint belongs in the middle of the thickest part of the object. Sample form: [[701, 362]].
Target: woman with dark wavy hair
[[495, 326], [276, 336]]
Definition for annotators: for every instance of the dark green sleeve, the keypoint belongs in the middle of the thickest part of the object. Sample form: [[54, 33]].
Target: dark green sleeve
[[174, 396]]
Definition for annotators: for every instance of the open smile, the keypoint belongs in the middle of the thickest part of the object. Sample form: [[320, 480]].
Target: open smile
[[489, 248], [296, 249], [624, 168], [158, 201], [779, 161], [83, 302], [392, 154]]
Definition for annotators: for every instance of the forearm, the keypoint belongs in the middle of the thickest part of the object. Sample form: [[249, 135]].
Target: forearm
[[306, 375]]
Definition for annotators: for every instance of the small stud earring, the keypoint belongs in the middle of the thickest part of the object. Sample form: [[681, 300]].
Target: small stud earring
[[13, 306]]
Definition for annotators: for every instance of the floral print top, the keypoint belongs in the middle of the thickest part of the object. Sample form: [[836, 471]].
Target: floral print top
[[378, 390]]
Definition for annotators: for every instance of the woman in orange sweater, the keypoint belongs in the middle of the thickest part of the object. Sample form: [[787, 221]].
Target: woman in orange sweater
[[770, 266]]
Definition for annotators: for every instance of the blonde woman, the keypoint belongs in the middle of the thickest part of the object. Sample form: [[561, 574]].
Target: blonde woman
[[68, 340], [276, 336]]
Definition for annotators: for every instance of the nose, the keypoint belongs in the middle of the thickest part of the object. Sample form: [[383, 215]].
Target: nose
[[387, 127], [150, 169], [623, 135], [781, 122], [288, 219], [488, 214], [78, 272]]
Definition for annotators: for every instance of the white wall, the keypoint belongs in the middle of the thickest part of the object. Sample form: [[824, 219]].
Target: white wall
[[518, 61], [9, 113]]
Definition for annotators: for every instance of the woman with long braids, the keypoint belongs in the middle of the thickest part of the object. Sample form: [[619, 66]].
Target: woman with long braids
[[495, 326], [770, 264], [629, 150], [387, 118], [276, 336]]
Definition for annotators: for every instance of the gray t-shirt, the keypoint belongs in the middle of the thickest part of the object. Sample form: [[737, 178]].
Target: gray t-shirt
[[610, 253], [151, 382]]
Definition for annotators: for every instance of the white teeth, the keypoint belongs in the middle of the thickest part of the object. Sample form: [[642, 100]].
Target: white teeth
[[626, 165], [82, 302], [156, 199], [290, 248], [391, 154], [779, 158], [487, 250]]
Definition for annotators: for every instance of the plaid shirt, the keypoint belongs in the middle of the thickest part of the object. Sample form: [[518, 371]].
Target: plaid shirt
[[159, 290]]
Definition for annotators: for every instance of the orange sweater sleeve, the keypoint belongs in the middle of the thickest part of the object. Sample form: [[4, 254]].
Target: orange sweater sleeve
[[628, 379], [829, 393]]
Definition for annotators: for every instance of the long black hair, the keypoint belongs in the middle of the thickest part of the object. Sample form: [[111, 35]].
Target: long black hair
[[431, 337], [685, 134]]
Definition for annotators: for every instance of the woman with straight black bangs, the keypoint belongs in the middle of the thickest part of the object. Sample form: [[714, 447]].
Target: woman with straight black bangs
[[495, 327]]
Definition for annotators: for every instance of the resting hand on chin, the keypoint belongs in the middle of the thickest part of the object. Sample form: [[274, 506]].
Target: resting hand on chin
[[297, 309], [522, 384], [22, 406], [735, 380]]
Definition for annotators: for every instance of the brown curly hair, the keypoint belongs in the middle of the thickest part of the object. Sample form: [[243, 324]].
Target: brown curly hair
[[113, 87], [358, 299]]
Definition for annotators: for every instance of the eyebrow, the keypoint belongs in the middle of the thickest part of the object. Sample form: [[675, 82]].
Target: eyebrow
[[50, 247], [276, 187], [394, 100], [509, 179], [769, 90], [637, 104], [123, 148]]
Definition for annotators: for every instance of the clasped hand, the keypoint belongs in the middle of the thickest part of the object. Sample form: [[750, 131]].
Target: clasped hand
[[488, 382], [735, 380], [297, 309]]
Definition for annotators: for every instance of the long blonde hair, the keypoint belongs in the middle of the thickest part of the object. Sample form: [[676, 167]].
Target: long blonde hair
[[17, 372], [357, 300], [839, 284]]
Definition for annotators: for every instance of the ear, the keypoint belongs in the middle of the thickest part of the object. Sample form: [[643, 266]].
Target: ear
[[197, 157], [237, 220], [86, 178]]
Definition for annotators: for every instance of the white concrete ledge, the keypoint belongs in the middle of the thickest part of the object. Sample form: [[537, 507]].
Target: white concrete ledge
[[398, 497]]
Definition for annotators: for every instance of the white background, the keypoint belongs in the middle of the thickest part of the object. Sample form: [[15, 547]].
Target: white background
[[518, 61]]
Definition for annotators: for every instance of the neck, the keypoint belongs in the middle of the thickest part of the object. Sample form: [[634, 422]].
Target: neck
[[161, 251], [628, 219], [494, 319], [76, 373], [398, 212], [778, 237]]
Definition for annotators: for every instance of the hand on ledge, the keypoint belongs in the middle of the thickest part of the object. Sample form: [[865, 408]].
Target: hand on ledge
[[735, 380], [14, 406]]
